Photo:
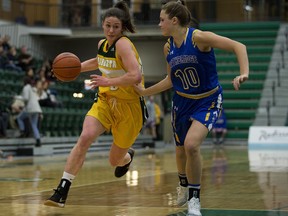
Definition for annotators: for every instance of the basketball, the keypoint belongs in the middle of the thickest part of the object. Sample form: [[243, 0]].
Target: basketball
[[66, 67]]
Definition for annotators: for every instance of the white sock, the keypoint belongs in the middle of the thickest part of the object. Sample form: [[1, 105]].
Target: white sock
[[68, 176]]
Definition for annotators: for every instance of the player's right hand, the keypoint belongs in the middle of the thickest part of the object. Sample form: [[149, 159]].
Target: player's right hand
[[139, 89], [238, 80]]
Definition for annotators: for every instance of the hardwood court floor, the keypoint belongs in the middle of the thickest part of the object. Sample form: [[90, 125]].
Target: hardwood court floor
[[149, 188]]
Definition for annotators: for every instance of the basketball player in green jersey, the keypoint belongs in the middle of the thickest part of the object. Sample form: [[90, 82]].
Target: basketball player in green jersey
[[117, 108]]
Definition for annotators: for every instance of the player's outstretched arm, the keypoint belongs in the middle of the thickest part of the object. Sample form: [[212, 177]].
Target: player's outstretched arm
[[206, 40], [161, 86], [89, 65]]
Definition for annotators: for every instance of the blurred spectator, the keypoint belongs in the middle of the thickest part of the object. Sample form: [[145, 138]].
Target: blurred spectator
[[16, 108], [25, 60], [150, 126], [30, 73], [219, 130], [86, 11], [32, 109], [77, 17], [47, 64], [3, 58], [44, 72], [158, 115], [6, 42], [12, 60], [4, 119], [47, 98], [41, 74], [146, 10], [5, 63]]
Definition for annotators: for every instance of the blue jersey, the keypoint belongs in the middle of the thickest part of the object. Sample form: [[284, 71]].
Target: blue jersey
[[198, 94], [192, 71]]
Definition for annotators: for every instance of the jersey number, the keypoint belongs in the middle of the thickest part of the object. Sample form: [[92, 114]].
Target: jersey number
[[189, 78]]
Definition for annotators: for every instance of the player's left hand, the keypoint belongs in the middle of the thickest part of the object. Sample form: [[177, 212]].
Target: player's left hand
[[97, 81], [238, 80]]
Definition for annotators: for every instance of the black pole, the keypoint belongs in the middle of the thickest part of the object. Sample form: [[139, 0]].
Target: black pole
[[268, 113], [286, 36], [278, 74], [273, 94], [282, 55]]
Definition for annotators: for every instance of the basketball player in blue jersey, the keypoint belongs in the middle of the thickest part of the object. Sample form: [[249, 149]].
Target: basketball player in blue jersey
[[197, 100], [118, 107]]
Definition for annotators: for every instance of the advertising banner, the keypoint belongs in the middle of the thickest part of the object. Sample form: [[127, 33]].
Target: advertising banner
[[268, 148]]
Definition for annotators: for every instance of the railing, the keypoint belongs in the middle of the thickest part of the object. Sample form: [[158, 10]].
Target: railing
[[88, 14], [268, 106], [279, 83]]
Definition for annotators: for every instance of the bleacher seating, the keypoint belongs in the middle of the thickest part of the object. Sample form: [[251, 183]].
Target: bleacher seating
[[241, 106], [67, 120], [56, 120]]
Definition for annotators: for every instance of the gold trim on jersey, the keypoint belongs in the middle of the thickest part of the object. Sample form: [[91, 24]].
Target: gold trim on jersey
[[198, 96], [193, 34]]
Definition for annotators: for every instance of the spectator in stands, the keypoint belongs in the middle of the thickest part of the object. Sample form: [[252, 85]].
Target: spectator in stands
[[158, 121], [47, 64], [146, 10], [86, 11], [12, 63], [15, 109], [219, 130], [4, 120], [47, 98], [197, 100], [45, 71], [3, 58], [25, 59], [150, 126], [32, 109], [30, 73], [41, 74], [117, 107], [6, 42], [77, 17]]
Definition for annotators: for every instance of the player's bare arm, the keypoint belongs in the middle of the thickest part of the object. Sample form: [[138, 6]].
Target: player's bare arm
[[89, 65], [128, 57], [205, 40], [161, 86], [131, 65]]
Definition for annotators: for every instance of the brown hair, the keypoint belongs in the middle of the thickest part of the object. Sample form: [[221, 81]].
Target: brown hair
[[180, 11], [121, 11], [163, 2]]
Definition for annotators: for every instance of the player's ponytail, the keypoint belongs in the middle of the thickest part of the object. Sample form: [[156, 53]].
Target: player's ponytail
[[121, 11], [163, 2], [126, 21]]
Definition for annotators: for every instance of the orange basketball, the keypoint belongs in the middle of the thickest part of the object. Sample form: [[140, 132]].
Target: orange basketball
[[66, 66]]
